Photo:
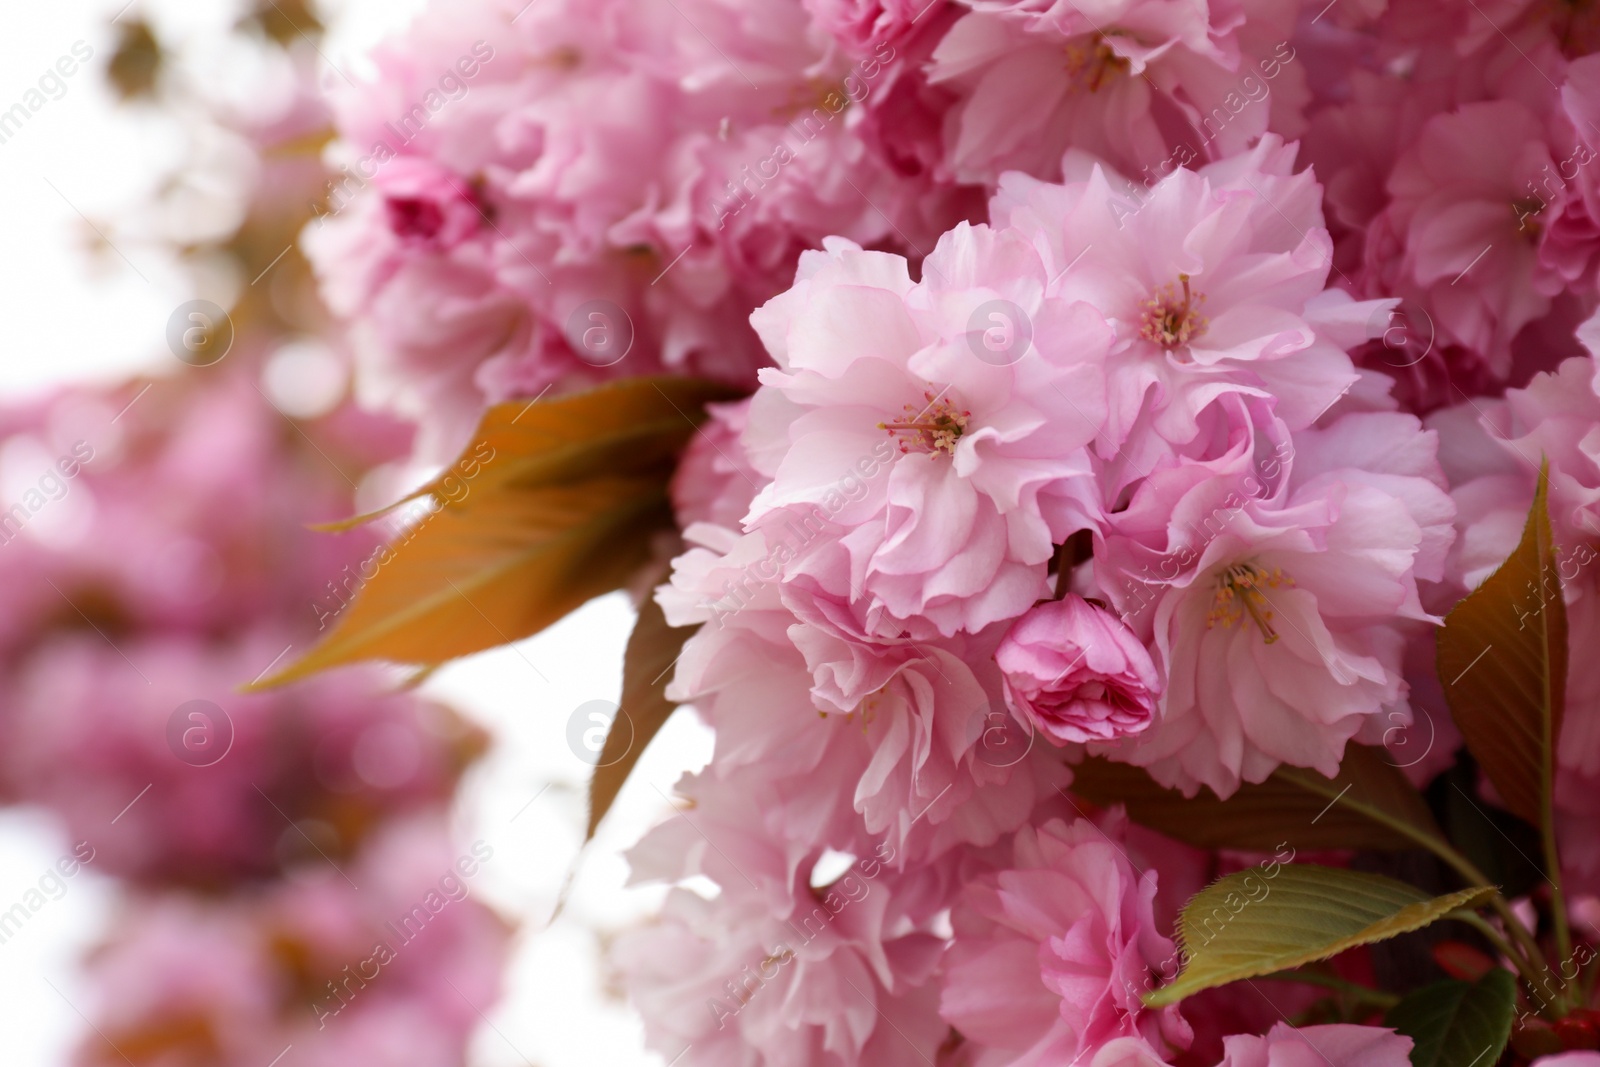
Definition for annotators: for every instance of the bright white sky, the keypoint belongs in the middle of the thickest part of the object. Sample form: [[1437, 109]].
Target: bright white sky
[[70, 316]]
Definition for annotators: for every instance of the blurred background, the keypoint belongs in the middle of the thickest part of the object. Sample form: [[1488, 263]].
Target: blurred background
[[188, 875]]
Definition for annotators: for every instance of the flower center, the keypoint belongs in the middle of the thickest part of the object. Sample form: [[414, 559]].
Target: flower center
[[563, 57], [811, 100], [412, 216], [934, 427], [1526, 212], [1091, 63], [1239, 593], [1172, 321]]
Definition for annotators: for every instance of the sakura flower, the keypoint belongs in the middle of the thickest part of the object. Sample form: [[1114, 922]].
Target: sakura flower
[[1038, 78], [425, 205], [1554, 419], [943, 767], [1353, 144], [183, 979], [988, 462], [1126, 1052], [827, 980], [1051, 955], [1575, 229], [1337, 1045], [1077, 673], [1159, 517], [1394, 151], [1214, 281], [1286, 637], [863, 26], [1499, 28], [746, 680], [1460, 210], [814, 950], [897, 753]]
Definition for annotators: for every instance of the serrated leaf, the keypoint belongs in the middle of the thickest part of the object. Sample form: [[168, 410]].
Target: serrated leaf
[[1278, 917], [1503, 662], [1369, 805], [502, 566], [1458, 1024], [653, 648]]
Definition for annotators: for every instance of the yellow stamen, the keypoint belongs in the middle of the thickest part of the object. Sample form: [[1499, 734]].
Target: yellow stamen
[[1091, 65], [935, 427], [1171, 322], [1239, 591]]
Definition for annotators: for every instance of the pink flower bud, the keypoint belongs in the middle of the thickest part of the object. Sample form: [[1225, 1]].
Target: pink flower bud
[[1077, 673]]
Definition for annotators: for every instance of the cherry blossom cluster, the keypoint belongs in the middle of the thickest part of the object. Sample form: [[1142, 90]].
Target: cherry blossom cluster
[[241, 825], [154, 546], [1174, 454], [1157, 516], [1140, 380], [607, 188]]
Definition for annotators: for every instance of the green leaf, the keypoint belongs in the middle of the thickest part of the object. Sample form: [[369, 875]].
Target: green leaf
[[1503, 662], [1458, 1024], [1277, 917], [1370, 805], [653, 648]]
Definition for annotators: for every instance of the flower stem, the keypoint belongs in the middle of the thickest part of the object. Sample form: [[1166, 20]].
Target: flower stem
[[1529, 961], [1063, 570], [1071, 552], [1528, 969]]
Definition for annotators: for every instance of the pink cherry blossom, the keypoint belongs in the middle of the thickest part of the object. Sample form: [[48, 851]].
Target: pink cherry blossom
[[1338, 1045], [228, 547], [863, 26], [1214, 281], [1284, 639], [1133, 71], [427, 206], [857, 741], [1051, 954], [825, 980], [1458, 209], [973, 455]]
